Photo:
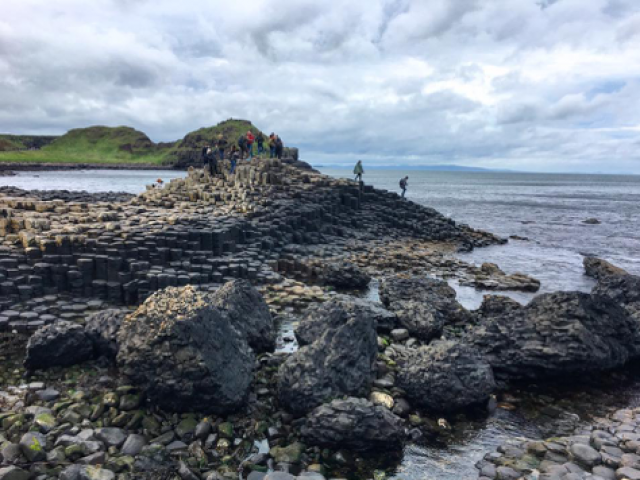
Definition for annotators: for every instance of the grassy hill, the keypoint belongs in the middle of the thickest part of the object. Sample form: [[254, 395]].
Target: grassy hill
[[24, 142], [120, 145]]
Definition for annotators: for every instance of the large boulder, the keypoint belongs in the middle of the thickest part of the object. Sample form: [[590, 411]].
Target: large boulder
[[340, 362], [345, 275], [556, 333], [423, 305], [102, 328], [355, 424], [248, 312], [331, 314], [186, 353], [446, 376], [600, 269], [621, 289], [59, 344]]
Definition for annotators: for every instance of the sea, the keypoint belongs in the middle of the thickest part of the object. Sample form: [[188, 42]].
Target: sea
[[546, 214]]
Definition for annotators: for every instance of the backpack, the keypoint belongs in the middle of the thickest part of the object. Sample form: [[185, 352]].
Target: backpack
[[403, 183]]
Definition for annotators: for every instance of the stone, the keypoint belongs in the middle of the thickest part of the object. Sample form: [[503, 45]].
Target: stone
[[288, 454], [345, 276], [599, 269], [102, 328], [59, 344], [445, 376], [354, 424], [186, 353], [33, 446], [248, 312], [13, 473], [585, 455], [111, 436], [340, 362], [133, 445], [86, 472]]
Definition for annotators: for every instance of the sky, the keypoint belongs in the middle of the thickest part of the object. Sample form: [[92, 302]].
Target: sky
[[535, 85]]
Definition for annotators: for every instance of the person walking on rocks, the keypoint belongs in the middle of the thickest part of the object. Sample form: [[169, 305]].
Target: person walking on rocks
[[260, 142], [358, 171], [272, 145], [233, 158], [242, 144], [211, 159], [250, 139], [221, 144], [279, 147], [404, 182]]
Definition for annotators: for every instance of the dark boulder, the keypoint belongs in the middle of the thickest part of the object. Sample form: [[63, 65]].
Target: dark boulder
[[556, 333], [333, 313], [600, 269], [340, 362], [102, 328], [355, 424], [59, 344], [186, 353], [248, 312], [345, 276], [446, 376]]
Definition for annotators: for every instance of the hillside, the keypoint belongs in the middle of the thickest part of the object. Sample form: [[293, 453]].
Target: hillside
[[24, 142], [125, 145]]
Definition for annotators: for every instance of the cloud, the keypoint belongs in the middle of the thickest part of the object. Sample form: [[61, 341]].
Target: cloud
[[547, 85]]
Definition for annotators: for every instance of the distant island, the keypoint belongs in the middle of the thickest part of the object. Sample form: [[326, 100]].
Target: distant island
[[433, 168], [115, 146]]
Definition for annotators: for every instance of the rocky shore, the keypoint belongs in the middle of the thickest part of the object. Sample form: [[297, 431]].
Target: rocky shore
[[143, 336]]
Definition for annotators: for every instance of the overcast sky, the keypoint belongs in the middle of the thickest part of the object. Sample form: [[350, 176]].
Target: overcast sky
[[542, 85]]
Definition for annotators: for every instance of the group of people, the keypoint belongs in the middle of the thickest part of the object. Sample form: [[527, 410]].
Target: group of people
[[212, 154], [358, 170]]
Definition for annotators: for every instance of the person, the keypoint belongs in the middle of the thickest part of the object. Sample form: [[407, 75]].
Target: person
[[242, 144], [221, 144], [159, 182], [211, 159], [358, 171], [203, 154], [260, 142], [250, 139], [403, 185], [272, 145], [279, 147], [234, 157]]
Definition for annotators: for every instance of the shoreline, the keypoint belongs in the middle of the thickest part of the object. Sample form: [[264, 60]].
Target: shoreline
[[39, 167]]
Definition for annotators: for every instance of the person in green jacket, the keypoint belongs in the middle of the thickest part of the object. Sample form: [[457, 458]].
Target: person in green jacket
[[358, 171]]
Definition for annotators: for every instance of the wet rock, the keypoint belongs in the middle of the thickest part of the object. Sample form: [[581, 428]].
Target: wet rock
[[340, 362], [186, 353], [591, 221], [248, 313], [62, 343], [355, 424], [446, 376], [558, 333], [102, 328], [599, 269]]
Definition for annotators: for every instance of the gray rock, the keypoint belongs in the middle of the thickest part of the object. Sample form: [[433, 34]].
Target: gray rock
[[446, 376], [628, 473], [86, 472], [111, 436], [33, 446], [186, 353], [62, 343], [585, 455], [133, 444], [345, 276], [355, 424], [13, 473], [248, 312], [340, 362], [102, 328], [599, 269]]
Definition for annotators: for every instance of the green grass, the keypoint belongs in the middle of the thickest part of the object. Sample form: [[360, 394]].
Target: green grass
[[101, 145]]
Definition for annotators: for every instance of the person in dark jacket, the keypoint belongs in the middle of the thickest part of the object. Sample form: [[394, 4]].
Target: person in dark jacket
[[272, 145], [234, 156], [279, 147], [212, 161], [404, 183], [221, 143], [260, 142], [242, 145]]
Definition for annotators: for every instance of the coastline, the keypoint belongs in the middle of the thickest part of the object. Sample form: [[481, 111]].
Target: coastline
[[36, 167]]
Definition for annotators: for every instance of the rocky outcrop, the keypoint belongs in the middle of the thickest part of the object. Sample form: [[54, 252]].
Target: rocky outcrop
[[59, 344], [329, 315], [102, 329], [446, 376], [623, 290], [353, 423], [556, 333], [186, 353], [248, 313], [423, 305], [600, 269], [340, 362], [345, 276]]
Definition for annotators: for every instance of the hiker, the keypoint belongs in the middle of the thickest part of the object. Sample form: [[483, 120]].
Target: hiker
[[221, 144], [358, 171], [203, 154], [403, 185], [250, 139], [279, 147], [260, 142], [272, 145], [211, 159], [234, 156], [242, 144]]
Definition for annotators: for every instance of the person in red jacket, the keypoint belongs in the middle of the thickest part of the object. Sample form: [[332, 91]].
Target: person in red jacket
[[250, 139]]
